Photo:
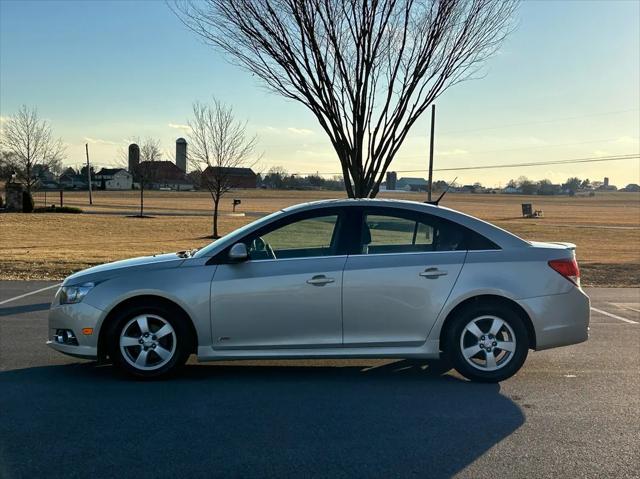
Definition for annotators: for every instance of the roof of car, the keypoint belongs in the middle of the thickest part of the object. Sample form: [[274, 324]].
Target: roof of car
[[358, 202]]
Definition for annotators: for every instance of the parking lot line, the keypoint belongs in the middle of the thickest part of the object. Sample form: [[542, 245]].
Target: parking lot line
[[613, 315], [29, 294], [626, 306]]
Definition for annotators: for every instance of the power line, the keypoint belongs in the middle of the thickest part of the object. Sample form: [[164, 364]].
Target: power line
[[594, 159], [407, 157], [537, 122], [543, 163]]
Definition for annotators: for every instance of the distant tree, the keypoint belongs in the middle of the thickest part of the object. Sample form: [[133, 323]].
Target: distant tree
[[6, 168], [527, 186], [83, 171], [572, 185], [367, 70], [145, 173], [69, 171], [512, 184], [150, 153], [545, 187], [276, 177], [585, 184], [218, 143], [28, 141], [315, 181]]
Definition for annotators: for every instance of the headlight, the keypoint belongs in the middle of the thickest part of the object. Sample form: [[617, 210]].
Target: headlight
[[74, 294]]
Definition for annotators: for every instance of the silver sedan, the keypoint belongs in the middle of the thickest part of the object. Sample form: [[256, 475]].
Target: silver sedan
[[332, 279]]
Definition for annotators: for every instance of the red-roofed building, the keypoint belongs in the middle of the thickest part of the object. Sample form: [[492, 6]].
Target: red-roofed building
[[164, 175]]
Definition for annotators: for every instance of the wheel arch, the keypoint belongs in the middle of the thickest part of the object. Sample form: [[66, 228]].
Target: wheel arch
[[142, 300], [493, 300]]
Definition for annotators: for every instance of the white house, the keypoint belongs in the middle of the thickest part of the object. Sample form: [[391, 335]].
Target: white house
[[113, 179]]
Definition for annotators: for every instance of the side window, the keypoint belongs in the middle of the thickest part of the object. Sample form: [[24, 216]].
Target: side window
[[392, 234], [415, 233], [301, 239]]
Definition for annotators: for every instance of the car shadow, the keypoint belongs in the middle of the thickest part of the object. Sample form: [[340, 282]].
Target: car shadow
[[404, 419], [27, 308]]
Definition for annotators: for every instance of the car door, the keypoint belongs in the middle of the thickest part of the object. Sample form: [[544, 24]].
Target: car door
[[395, 286], [288, 293]]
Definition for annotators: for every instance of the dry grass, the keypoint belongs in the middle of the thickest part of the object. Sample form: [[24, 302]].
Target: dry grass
[[606, 228]]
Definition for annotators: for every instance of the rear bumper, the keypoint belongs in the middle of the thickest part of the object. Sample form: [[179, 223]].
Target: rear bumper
[[559, 319]]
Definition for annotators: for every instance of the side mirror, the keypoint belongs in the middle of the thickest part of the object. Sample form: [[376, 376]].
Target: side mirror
[[238, 252]]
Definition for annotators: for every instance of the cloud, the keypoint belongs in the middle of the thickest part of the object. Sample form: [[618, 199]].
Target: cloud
[[98, 141], [300, 131], [179, 126], [274, 130]]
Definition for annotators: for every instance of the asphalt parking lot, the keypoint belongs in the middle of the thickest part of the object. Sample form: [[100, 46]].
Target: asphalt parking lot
[[570, 412]]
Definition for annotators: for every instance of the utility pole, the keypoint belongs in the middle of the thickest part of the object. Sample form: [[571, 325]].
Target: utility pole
[[433, 124], [86, 147]]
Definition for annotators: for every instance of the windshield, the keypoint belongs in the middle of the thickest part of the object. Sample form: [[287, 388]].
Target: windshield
[[207, 250]]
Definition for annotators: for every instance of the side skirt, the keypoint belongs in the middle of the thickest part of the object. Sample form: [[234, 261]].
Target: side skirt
[[428, 350]]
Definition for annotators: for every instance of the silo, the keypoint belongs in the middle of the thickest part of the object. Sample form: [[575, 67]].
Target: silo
[[392, 178], [134, 157], [181, 154]]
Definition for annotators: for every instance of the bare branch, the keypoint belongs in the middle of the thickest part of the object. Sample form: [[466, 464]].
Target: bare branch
[[367, 70], [29, 142], [218, 146]]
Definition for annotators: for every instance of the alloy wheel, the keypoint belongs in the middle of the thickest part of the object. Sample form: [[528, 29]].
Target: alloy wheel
[[147, 342], [487, 343]]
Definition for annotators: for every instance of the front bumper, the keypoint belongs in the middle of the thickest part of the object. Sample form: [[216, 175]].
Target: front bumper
[[76, 317], [559, 319]]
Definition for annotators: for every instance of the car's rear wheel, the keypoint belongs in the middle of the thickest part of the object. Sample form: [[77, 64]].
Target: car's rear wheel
[[488, 343], [148, 341]]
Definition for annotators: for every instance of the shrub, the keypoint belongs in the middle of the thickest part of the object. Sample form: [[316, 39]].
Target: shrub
[[27, 202], [54, 209]]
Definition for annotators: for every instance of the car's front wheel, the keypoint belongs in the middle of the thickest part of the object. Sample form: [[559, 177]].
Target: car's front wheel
[[488, 343], [149, 341]]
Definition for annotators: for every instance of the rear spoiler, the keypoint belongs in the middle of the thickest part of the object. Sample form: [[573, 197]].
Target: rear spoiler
[[570, 246]]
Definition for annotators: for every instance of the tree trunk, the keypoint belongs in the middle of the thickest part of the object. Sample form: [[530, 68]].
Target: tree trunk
[[215, 218], [141, 198]]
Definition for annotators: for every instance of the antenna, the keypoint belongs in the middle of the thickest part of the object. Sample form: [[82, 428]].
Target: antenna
[[442, 194]]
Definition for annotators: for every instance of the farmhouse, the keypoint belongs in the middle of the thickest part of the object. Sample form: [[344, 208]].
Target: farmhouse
[[113, 179], [238, 177], [412, 184], [72, 180]]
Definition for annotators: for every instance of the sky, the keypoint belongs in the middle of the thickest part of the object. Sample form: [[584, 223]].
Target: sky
[[565, 85]]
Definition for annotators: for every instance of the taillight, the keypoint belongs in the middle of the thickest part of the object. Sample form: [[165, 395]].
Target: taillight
[[567, 268]]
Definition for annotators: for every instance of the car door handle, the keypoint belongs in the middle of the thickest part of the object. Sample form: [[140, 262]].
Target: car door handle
[[320, 280], [433, 273]]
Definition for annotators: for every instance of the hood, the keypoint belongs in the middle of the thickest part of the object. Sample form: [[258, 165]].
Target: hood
[[109, 270]]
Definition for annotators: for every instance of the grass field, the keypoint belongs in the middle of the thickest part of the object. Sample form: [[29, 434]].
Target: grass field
[[606, 228]]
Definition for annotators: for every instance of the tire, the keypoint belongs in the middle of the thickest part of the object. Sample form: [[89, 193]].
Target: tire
[[149, 341], [481, 331]]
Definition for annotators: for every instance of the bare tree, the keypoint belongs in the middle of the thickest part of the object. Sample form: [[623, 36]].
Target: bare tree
[[146, 171], [218, 144], [28, 142], [367, 69]]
